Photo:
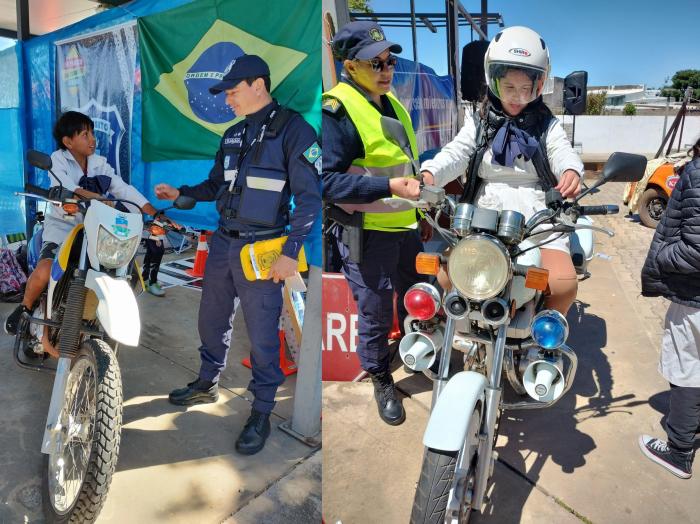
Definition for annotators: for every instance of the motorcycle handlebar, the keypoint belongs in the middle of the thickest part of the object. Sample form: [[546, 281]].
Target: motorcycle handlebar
[[36, 190], [600, 210]]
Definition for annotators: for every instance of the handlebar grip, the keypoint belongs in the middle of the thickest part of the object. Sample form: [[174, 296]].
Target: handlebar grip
[[600, 210], [36, 190]]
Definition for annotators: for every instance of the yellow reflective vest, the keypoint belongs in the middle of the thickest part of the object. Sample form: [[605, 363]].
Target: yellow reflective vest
[[382, 157]]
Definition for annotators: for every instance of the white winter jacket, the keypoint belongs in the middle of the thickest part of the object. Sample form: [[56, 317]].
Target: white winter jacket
[[514, 188]]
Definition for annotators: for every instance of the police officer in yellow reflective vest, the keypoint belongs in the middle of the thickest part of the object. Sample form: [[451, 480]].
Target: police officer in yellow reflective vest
[[361, 166]]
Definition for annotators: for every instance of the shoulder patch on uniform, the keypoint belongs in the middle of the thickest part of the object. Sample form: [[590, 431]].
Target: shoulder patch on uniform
[[312, 153], [331, 105], [313, 156]]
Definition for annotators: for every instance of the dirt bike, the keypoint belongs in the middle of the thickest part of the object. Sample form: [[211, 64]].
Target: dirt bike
[[493, 312], [87, 311]]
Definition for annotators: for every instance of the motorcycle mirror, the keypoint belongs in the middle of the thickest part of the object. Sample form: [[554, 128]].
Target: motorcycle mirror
[[394, 131], [575, 93], [39, 159], [624, 167], [184, 202]]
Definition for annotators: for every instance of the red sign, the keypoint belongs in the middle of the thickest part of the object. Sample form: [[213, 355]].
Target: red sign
[[339, 330], [671, 182]]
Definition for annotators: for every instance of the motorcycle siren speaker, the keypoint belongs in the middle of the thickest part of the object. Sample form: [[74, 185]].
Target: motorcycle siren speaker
[[419, 349], [544, 380]]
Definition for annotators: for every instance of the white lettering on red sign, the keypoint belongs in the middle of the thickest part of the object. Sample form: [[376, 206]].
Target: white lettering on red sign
[[339, 335]]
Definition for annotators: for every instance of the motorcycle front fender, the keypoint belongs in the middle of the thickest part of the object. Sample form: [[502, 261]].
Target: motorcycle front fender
[[117, 309], [449, 419]]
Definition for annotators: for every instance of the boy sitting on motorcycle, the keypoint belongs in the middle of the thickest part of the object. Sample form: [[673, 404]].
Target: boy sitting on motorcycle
[[88, 176]]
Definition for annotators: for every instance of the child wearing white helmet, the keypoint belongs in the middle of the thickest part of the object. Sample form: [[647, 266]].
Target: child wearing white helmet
[[514, 150]]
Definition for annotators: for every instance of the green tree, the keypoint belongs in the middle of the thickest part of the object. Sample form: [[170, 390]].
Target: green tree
[[361, 6], [595, 103], [685, 78], [629, 109]]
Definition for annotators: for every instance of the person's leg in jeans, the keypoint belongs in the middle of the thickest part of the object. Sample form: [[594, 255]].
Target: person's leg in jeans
[[683, 417]]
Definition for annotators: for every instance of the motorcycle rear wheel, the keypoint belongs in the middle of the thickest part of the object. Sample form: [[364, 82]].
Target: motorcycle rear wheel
[[76, 481], [437, 476]]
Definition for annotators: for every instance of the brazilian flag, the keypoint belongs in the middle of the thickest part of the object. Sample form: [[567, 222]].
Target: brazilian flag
[[186, 50]]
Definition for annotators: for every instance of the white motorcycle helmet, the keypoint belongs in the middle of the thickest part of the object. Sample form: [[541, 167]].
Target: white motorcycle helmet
[[516, 65]]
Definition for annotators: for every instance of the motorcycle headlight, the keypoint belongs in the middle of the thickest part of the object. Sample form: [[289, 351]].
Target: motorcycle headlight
[[549, 329], [479, 267], [112, 252]]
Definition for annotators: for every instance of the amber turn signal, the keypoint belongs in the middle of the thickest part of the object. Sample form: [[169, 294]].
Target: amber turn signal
[[71, 208], [537, 278], [428, 263]]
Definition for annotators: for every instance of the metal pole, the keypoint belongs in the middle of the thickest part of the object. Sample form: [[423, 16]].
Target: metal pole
[[484, 19], [305, 424], [668, 104], [413, 32], [23, 35], [573, 132]]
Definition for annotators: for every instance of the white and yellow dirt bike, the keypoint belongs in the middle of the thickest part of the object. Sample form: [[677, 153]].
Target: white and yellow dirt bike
[[88, 310], [493, 312]]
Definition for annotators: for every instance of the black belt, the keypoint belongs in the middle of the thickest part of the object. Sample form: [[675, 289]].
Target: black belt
[[252, 234]]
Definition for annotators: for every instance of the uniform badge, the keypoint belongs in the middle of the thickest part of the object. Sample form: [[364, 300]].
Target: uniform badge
[[376, 35], [313, 153], [227, 161]]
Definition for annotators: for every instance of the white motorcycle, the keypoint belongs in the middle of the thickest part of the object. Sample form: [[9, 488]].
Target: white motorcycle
[[493, 313], [88, 309]]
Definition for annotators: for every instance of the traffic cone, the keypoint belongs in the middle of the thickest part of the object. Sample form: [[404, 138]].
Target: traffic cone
[[395, 333], [288, 366], [200, 258]]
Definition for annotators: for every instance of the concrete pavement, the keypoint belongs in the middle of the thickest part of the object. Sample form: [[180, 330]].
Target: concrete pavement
[[176, 465], [576, 461]]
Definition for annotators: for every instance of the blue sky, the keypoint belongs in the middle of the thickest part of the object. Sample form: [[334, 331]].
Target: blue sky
[[617, 42]]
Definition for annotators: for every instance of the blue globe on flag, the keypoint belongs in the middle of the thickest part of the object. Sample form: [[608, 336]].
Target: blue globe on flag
[[206, 71]]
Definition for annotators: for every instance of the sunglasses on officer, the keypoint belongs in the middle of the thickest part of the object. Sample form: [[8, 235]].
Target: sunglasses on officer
[[378, 65]]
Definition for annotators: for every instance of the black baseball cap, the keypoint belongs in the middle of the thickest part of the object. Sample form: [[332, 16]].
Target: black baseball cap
[[361, 40], [245, 66]]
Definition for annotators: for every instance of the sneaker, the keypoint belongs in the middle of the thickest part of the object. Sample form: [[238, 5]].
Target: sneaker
[[677, 462], [12, 320], [155, 290]]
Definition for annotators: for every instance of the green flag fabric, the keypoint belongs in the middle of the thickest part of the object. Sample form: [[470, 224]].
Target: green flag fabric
[[186, 50]]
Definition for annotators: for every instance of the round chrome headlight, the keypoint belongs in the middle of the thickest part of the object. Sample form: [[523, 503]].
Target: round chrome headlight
[[479, 267]]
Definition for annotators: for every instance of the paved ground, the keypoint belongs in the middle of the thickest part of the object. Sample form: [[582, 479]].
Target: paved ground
[[577, 461], [176, 465]]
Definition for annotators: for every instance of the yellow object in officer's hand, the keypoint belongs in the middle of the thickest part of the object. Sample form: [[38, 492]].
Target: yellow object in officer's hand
[[257, 258]]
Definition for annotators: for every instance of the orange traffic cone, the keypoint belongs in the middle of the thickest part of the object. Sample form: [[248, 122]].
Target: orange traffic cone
[[395, 332], [200, 258], [288, 366]]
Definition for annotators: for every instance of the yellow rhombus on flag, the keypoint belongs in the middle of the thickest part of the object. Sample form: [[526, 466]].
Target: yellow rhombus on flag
[[282, 61]]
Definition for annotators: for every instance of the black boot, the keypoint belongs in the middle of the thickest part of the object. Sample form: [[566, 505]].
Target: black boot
[[12, 320], [255, 432], [390, 408], [197, 392]]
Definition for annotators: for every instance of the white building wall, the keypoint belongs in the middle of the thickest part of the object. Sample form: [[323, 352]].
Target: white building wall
[[599, 136]]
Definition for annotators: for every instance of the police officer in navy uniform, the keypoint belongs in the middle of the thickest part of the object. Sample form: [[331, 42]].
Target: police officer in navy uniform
[[361, 166], [269, 156]]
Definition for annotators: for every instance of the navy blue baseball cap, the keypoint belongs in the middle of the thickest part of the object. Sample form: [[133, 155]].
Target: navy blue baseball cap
[[361, 40], [245, 66]]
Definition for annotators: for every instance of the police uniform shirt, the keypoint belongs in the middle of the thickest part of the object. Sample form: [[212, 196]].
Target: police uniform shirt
[[341, 146], [302, 155]]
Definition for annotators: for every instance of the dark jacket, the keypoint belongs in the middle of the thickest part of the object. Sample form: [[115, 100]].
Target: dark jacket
[[672, 267]]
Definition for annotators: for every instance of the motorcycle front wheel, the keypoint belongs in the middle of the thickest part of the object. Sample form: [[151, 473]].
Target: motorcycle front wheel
[[437, 477], [77, 477]]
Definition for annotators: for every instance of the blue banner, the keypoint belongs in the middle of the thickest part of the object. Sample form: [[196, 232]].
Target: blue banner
[[95, 75]]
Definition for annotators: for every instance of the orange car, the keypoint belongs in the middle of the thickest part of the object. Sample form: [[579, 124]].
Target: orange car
[[649, 196]]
